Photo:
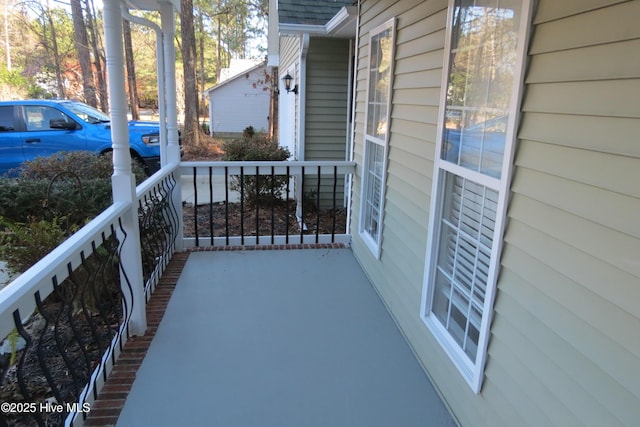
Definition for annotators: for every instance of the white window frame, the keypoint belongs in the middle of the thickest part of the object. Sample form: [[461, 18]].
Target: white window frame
[[472, 370], [373, 242]]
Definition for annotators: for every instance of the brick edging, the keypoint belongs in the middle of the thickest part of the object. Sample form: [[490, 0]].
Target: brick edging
[[106, 409], [290, 246]]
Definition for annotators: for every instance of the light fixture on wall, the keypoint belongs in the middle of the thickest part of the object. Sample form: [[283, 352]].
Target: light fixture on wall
[[287, 84]]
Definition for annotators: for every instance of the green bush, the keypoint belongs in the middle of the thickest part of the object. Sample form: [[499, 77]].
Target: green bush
[[85, 164], [264, 189], [24, 244], [50, 199]]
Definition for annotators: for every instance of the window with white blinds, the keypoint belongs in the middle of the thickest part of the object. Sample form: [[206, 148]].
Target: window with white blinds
[[480, 99], [380, 74], [467, 229]]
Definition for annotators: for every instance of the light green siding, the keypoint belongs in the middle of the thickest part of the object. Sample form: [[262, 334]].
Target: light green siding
[[565, 338], [327, 98], [289, 51], [570, 283], [398, 274], [326, 111]]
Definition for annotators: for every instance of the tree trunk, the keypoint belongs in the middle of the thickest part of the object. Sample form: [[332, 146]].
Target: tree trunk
[[7, 43], [191, 133], [273, 105], [201, 32], [82, 48], [131, 71], [98, 55], [56, 57]]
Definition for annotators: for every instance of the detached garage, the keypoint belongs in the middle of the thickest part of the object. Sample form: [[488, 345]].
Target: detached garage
[[240, 100]]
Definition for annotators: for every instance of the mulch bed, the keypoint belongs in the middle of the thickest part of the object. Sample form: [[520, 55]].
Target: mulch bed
[[278, 219]]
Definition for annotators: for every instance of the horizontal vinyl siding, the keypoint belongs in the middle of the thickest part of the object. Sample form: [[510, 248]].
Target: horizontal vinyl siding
[[327, 99], [566, 333], [326, 117], [398, 273], [565, 345], [289, 52]]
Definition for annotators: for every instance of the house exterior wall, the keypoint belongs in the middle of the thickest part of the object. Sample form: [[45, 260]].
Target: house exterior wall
[[240, 103], [290, 47], [326, 116], [565, 337], [327, 98]]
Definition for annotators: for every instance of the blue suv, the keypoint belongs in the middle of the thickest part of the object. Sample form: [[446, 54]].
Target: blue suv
[[39, 128]]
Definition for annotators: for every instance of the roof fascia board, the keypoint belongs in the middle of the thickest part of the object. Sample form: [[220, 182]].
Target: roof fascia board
[[236, 77], [290, 29], [345, 16], [341, 19]]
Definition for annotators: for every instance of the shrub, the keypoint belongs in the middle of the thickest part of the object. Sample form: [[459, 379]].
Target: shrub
[[82, 163], [51, 198], [248, 132], [24, 244], [263, 189]]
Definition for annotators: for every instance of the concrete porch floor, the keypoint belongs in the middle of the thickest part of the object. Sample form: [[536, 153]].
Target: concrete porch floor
[[279, 338]]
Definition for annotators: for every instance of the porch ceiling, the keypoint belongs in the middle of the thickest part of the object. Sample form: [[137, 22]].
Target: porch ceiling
[[275, 338]]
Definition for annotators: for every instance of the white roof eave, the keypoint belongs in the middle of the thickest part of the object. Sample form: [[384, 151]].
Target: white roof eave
[[342, 25]]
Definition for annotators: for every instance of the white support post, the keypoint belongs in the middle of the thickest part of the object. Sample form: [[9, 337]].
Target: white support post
[[123, 181], [173, 147]]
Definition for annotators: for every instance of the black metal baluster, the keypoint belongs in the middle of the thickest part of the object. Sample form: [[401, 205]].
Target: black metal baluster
[[42, 358], [172, 210], [226, 203], [195, 206], [83, 304], [335, 183], [273, 203], [302, 206], [108, 306], [318, 206], [60, 342], [286, 239], [77, 334], [242, 205], [211, 203], [17, 320], [119, 270], [257, 202]]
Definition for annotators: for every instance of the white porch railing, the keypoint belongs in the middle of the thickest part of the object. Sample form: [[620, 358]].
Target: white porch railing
[[266, 202], [74, 308]]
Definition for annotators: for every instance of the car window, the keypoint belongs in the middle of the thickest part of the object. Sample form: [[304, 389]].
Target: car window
[[38, 117], [87, 113], [6, 119]]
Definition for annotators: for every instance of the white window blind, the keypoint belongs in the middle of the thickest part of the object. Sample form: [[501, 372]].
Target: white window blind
[[467, 228]]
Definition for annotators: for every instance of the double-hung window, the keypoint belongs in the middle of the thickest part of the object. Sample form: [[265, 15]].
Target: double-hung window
[[480, 98], [379, 76]]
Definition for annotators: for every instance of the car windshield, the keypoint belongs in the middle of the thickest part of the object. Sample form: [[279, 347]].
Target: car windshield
[[87, 113]]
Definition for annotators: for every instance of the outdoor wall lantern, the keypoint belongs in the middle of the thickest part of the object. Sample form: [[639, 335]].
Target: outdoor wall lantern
[[287, 84]]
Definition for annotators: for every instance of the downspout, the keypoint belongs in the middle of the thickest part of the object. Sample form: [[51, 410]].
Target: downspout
[[302, 91], [162, 111], [353, 117], [302, 96]]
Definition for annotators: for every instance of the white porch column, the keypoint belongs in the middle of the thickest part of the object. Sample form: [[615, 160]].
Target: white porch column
[[123, 181], [168, 29], [173, 149]]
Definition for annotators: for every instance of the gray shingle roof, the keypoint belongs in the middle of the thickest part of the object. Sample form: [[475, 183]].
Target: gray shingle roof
[[308, 11]]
